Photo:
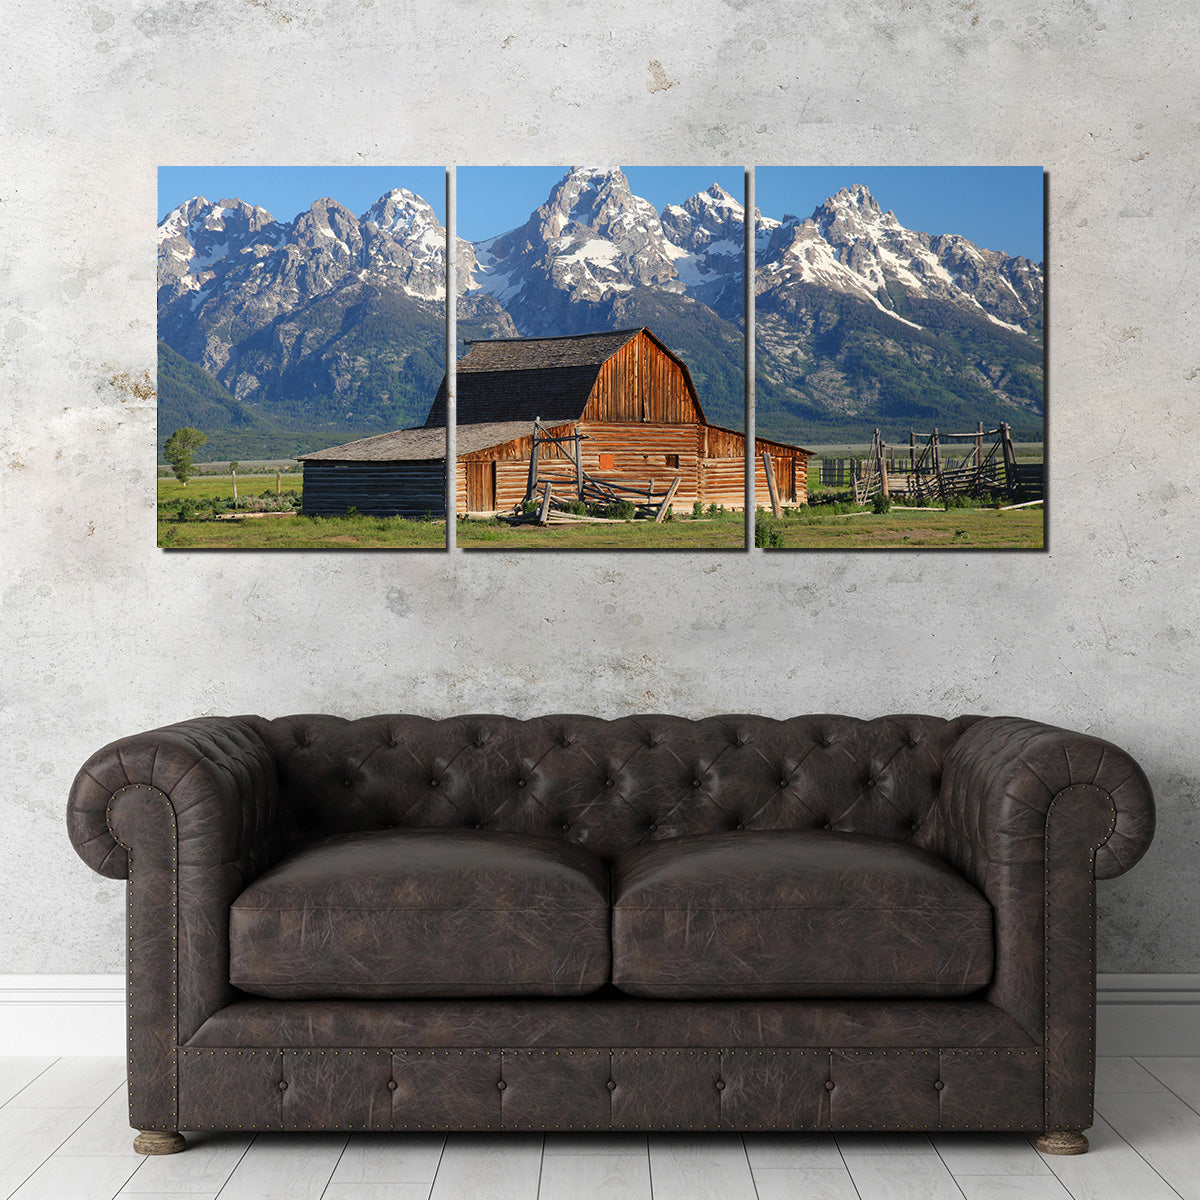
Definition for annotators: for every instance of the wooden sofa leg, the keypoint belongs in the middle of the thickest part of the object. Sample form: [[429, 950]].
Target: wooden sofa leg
[[159, 1141], [1062, 1141]]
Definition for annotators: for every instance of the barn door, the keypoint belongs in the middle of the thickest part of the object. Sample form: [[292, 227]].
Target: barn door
[[481, 486]]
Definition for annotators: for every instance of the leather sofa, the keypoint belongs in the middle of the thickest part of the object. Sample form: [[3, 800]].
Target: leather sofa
[[649, 923]]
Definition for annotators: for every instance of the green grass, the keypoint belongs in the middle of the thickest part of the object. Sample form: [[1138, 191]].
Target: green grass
[[289, 532], [958, 529], [220, 487], [725, 531]]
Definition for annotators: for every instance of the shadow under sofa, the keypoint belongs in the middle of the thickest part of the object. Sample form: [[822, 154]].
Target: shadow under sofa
[[649, 923]]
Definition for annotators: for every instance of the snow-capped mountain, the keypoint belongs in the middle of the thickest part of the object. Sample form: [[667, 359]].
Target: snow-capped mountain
[[862, 322], [594, 240], [276, 311], [850, 245]]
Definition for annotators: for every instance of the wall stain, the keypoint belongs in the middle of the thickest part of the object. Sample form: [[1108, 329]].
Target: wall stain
[[658, 81]]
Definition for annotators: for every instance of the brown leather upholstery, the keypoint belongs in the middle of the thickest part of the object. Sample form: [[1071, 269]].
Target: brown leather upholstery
[[400, 913], [1029, 815], [783, 914]]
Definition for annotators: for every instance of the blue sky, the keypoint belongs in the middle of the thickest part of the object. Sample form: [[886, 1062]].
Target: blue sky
[[287, 191], [492, 200], [998, 208]]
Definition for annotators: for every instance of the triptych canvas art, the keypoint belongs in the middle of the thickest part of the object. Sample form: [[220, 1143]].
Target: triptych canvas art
[[595, 393]]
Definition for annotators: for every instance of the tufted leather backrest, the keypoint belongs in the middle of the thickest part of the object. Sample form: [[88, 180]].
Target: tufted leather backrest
[[609, 785]]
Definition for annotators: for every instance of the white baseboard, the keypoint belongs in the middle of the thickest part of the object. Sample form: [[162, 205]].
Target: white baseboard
[[1148, 1014], [62, 1014], [85, 1014]]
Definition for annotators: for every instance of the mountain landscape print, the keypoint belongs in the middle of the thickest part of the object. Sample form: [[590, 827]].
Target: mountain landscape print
[[900, 337], [606, 304], [298, 309]]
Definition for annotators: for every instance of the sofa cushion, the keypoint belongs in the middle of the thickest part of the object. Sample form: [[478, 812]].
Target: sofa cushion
[[786, 914], [403, 913]]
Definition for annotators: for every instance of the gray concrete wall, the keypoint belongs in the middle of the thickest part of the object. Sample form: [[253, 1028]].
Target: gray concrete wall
[[104, 635]]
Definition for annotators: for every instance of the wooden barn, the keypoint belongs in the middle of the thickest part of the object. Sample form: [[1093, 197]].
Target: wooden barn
[[630, 400]]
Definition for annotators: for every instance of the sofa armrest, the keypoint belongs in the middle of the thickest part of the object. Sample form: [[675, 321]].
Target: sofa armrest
[[189, 814], [1001, 778], [1032, 816], [218, 775]]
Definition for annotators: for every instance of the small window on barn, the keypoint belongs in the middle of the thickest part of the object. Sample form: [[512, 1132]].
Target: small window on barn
[[673, 460], [608, 462]]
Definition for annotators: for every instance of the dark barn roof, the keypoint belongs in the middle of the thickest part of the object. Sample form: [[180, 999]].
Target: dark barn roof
[[518, 379], [427, 442]]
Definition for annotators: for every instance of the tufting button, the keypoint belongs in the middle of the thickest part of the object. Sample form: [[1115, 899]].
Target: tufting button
[[720, 1085], [652, 742], [283, 1085], [479, 825], [611, 1085], [480, 740], [501, 1085], [522, 782], [915, 827], [392, 1085], [829, 1085], [827, 741], [696, 783], [870, 783], [827, 825], [740, 740], [608, 783], [784, 782], [347, 783], [566, 825], [434, 782], [564, 740], [739, 825], [912, 741], [939, 1085], [652, 828]]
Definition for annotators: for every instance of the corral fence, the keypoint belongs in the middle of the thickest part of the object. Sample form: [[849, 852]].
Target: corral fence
[[936, 465]]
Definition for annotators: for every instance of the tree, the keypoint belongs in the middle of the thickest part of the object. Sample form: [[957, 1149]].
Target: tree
[[179, 448], [233, 466]]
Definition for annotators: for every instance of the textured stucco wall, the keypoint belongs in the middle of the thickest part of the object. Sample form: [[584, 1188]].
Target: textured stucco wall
[[104, 635]]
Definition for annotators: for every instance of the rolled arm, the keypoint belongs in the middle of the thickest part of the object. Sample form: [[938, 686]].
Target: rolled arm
[[219, 778], [1003, 775], [1033, 815]]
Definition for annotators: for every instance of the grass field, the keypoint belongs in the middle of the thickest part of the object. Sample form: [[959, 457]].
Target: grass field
[[289, 532], [905, 529], [725, 531], [220, 487]]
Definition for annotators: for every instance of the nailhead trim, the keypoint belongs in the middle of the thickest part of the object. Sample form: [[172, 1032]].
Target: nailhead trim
[[153, 791]]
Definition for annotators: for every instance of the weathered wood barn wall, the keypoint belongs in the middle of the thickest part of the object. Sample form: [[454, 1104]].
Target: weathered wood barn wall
[[631, 398], [399, 474]]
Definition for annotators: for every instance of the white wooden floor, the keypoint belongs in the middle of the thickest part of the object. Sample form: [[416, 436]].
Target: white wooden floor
[[64, 1136]]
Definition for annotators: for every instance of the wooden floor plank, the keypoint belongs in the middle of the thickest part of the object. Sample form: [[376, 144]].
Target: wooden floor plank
[[1181, 1075], [988, 1154], [72, 1083], [205, 1166], [29, 1136], [712, 1167], [80, 1177], [1111, 1170], [390, 1158], [620, 1144], [807, 1150], [891, 1144], [804, 1183], [615, 1177], [480, 1167], [1124, 1075], [377, 1191], [284, 1166], [902, 1177], [1163, 1130], [18, 1073], [1012, 1187], [105, 1132]]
